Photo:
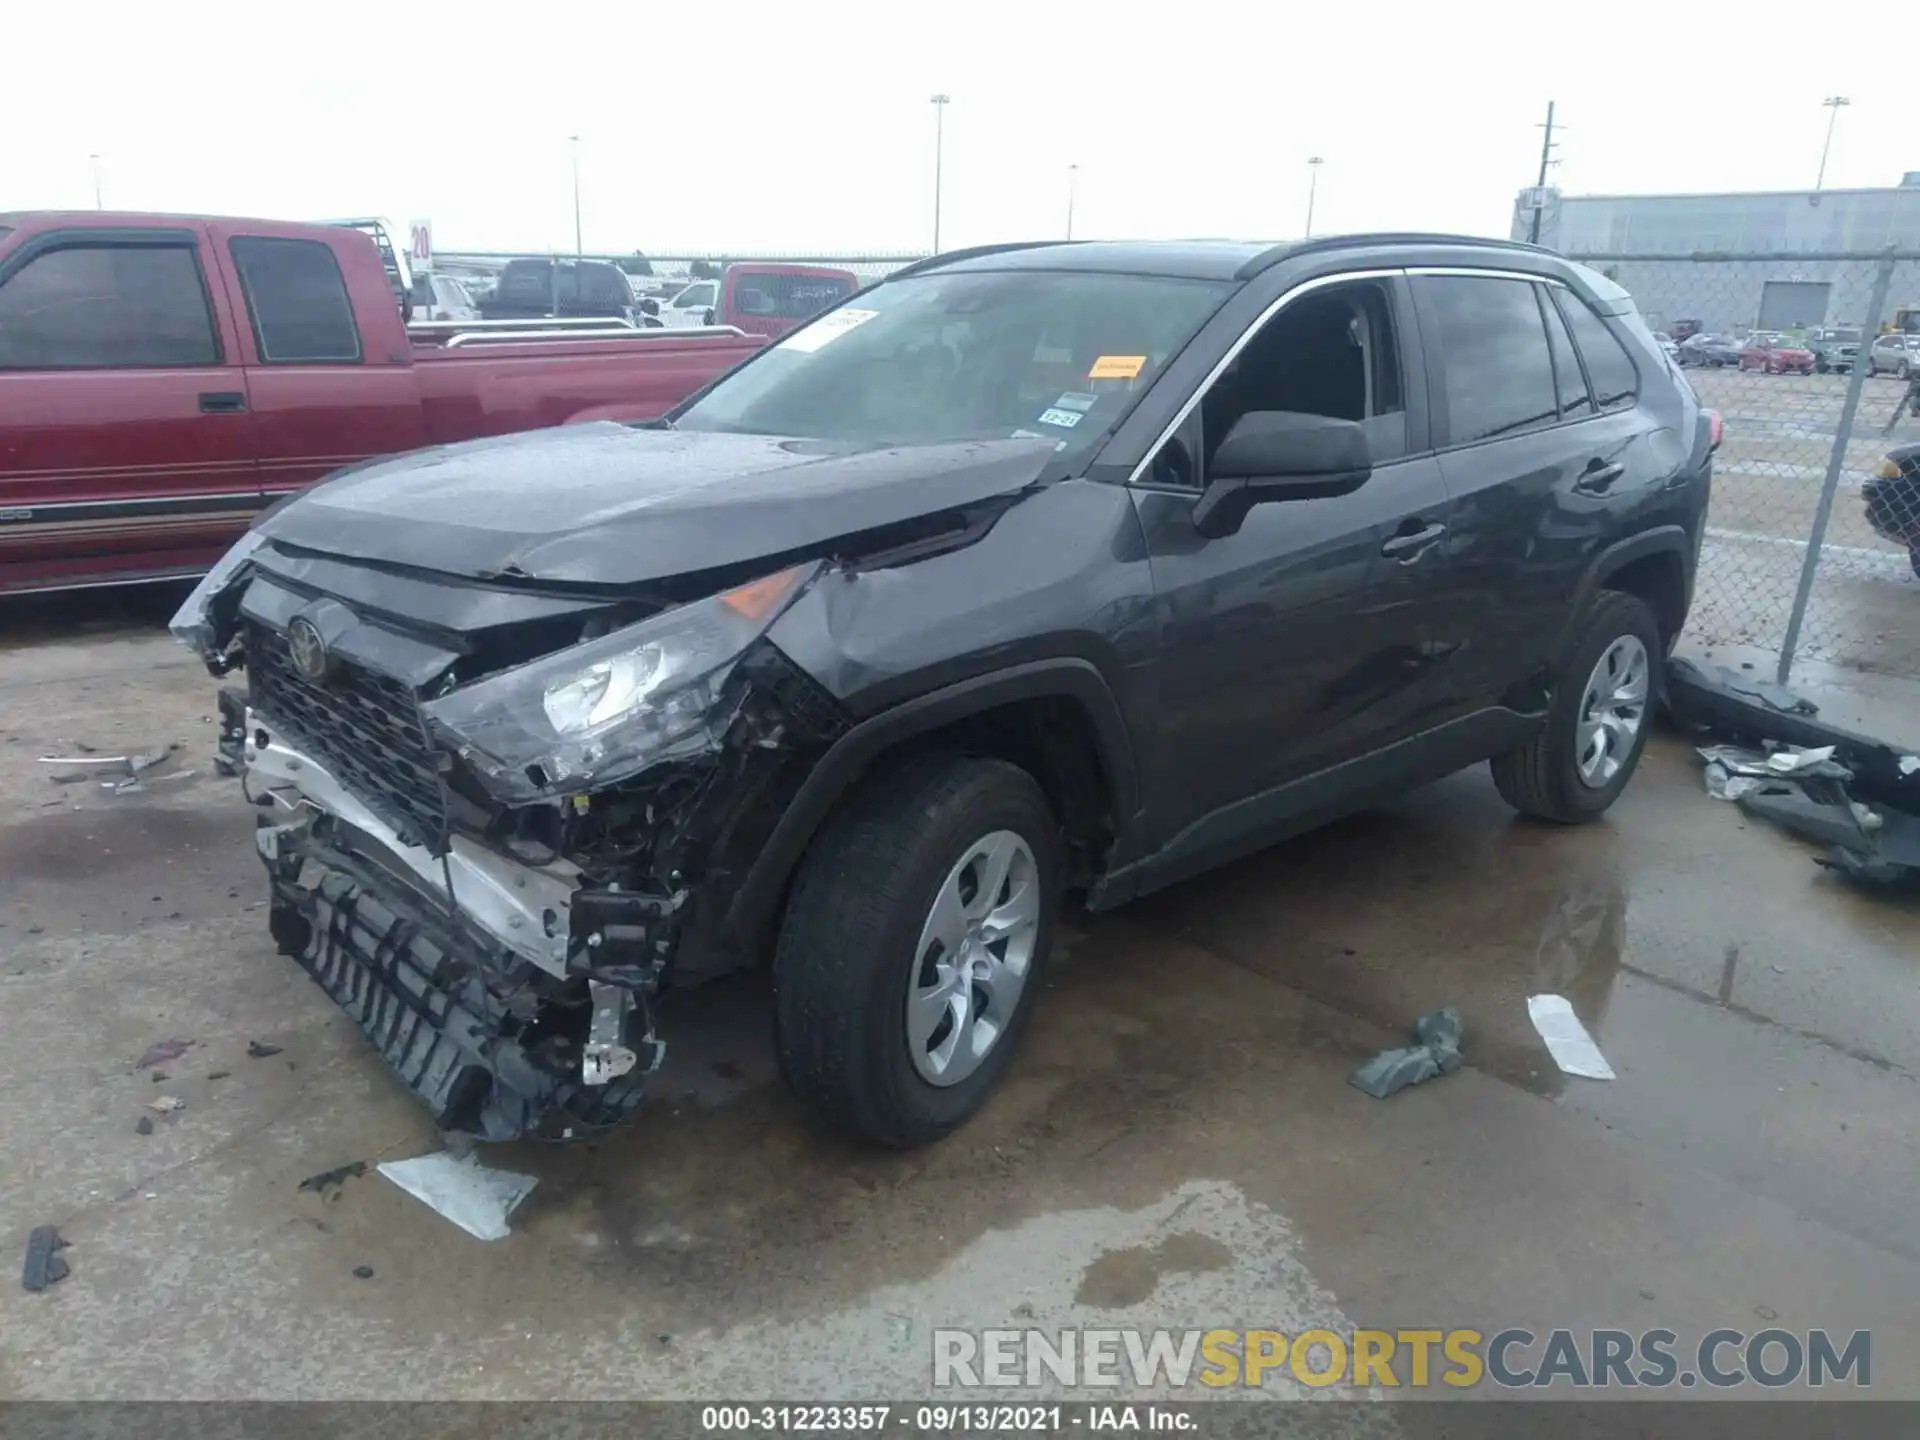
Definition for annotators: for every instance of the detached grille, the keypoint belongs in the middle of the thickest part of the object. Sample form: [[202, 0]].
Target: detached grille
[[364, 727]]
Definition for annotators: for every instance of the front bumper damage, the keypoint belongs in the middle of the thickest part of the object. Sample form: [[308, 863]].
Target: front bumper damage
[[464, 970]]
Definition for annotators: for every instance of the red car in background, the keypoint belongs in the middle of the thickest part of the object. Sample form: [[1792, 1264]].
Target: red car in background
[[1777, 355], [772, 300]]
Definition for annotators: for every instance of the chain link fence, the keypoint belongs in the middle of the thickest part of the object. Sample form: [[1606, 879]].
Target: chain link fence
[[1813, 538]]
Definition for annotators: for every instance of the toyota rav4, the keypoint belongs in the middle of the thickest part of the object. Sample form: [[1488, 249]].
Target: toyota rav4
[[1033, 571]]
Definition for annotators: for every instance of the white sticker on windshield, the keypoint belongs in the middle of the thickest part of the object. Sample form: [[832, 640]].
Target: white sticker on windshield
[[1036, 435], [826, 330], [1072, 400], [1065, 419]]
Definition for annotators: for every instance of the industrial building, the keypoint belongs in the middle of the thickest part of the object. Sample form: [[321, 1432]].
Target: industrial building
[[1780, 260]]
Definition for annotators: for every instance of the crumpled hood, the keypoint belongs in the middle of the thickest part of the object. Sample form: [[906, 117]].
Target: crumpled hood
[[608, 504]]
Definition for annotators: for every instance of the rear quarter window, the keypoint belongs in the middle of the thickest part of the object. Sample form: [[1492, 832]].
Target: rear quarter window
[[1616, 383], [297, 300]]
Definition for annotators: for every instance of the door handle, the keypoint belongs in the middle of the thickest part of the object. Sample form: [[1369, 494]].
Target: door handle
[[1409, 548], [222, 402], [1598, 477]]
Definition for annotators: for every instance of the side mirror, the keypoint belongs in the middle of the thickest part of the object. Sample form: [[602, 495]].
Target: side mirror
[[649, 306], [1273, 455]]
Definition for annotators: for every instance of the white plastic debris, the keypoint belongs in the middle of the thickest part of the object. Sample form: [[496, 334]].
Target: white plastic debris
[[1567, 1039], [1909, 764], [1791, 761], [473, 1196]]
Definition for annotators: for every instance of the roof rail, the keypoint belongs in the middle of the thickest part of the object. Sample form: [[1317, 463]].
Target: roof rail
[[973, 252], [1274, 254]]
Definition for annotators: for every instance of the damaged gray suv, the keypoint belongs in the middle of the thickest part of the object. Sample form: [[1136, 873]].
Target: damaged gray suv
[[1033, 570]]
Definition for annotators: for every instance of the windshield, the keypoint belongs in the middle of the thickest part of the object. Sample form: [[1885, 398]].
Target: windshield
[[944, 357], [1844, 337]]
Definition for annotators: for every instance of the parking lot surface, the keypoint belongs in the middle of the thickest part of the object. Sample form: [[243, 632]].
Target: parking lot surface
[[1177, 1144]]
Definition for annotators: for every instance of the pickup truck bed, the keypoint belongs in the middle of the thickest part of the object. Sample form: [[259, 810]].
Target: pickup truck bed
[[164, 377]]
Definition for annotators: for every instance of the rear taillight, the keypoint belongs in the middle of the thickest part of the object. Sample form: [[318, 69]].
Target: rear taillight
[[1716, 429]]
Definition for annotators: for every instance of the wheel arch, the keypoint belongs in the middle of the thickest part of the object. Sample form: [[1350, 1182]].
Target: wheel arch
[[1652, 566], [1039, 715]]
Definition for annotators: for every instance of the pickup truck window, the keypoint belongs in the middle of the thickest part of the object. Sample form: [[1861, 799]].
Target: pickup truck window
[[967, 355], [791, 297], [301, 313], [107, 307]]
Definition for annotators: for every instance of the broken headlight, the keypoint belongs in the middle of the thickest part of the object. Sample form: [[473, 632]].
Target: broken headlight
[[193, 624], [607, 709]]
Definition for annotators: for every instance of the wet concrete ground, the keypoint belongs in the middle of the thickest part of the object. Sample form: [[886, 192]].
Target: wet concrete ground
[[1176, 1146]]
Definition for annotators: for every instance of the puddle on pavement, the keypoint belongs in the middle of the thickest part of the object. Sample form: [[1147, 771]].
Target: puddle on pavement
[[1128, 1277]]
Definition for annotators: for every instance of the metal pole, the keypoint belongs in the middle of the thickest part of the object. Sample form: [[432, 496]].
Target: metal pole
[[1314, 162], [579, 249], [1833, 104], [1836, 461], [939, 118], [1546, 157], [94, 160], [1073, 177]]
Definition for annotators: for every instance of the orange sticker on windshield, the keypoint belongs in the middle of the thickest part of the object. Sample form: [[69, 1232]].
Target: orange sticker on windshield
[[1117, 367]]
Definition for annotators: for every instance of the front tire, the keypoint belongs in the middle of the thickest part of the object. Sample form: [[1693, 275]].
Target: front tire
[[909, 955], [1597, 723]]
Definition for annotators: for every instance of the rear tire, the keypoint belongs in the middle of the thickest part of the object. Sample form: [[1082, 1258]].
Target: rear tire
[[859, 959], [1559, 775], [1913, 557]]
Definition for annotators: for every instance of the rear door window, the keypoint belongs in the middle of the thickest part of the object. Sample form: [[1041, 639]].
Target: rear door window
[[1496, 372], [94, 306], [1615, 382], [297, 300]]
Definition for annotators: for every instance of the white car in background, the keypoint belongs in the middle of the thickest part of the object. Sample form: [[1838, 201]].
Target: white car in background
[[441, 297], [1898, 353], [692, 306]]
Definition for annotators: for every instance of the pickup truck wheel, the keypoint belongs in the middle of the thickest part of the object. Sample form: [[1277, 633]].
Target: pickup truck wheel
[[908, 956], [1913, 557], [1580, 761]]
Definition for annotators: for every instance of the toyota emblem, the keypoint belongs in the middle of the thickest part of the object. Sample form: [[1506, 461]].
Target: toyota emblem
[[308, 649]]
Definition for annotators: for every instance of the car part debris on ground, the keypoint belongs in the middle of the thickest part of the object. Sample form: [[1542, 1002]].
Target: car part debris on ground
[[473, 1196], [143, 1126], [1567, 1039], [44, 1264], [332, 1179], [1438, 1053], [127, 773], [167, 1105], [1853, 793], [256, 1050]]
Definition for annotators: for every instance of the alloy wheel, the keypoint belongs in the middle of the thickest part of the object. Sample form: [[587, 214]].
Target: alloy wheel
[[975, 954], [1613, 707]]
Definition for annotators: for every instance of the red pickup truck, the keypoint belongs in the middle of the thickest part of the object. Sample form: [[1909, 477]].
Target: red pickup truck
[[163, 377]]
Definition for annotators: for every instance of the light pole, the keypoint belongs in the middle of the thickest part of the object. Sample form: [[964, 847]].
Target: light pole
[[1073, 180], [940, 103], [573, 144], [1833, 104], [94, 160], [1314, 162]]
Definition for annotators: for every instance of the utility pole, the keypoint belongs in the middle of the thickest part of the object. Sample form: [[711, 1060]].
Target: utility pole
[[1833, 104], [1546, 159], [940, 103], [94, 160], [579, 249], [1314, 162], [1073, 179]]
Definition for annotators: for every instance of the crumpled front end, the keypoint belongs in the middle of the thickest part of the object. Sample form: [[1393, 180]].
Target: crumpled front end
[[498, 835]]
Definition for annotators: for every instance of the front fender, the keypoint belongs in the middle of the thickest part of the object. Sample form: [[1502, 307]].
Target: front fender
[[855, 752]]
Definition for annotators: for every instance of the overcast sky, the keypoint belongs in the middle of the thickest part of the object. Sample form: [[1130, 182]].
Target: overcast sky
[[808, 127]]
